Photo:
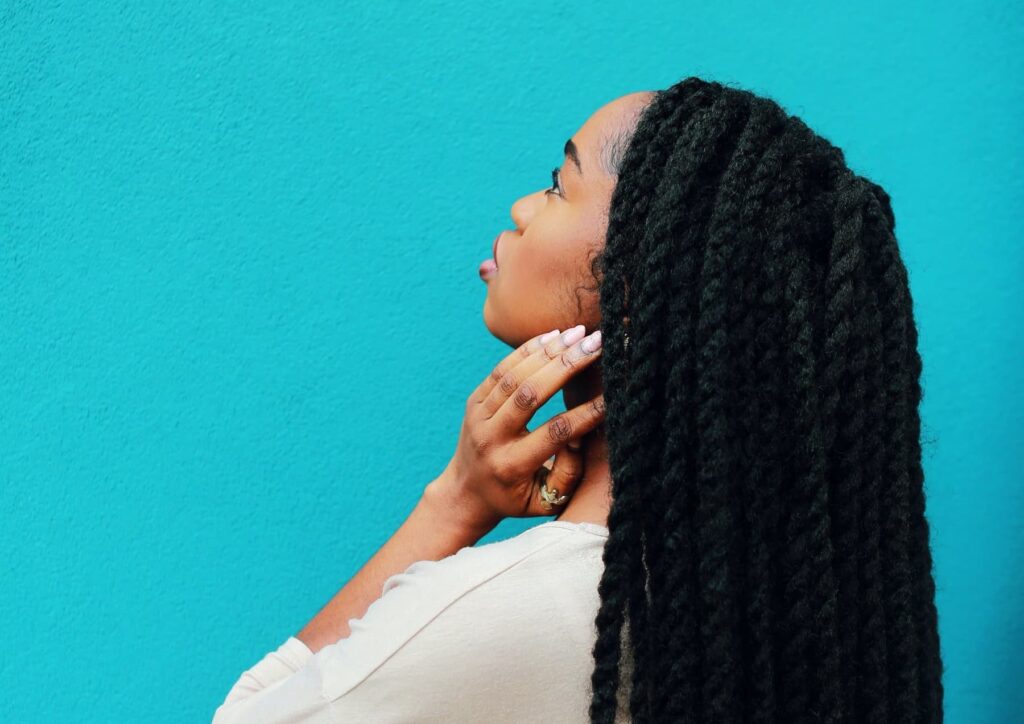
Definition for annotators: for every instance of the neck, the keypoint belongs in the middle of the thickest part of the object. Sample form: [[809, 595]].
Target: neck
[[591, 499]]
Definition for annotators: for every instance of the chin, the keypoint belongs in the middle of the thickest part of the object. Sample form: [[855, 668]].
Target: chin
[[492, 325], [495, 328], [487, 313]]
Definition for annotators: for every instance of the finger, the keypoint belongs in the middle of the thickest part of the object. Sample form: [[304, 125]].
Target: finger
[[523, 367], [536, 389], [523, 351], [561, 482], [553, 435], [573, 445]]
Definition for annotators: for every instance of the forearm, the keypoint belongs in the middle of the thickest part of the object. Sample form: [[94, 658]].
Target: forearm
[[434, 530]]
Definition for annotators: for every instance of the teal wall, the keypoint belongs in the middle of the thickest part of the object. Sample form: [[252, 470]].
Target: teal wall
[[240, 308]]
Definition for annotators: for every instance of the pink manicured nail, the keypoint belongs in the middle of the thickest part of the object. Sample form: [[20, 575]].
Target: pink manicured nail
[[571, 336], [548, 336], [592, 343]]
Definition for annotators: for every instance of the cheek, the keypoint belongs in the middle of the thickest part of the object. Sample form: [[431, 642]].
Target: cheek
[[539, 266], [554, 254]]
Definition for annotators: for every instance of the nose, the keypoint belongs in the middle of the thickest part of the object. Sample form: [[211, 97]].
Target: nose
[[524, 209]]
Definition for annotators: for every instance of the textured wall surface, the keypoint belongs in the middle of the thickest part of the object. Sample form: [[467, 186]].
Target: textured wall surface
[[240, 307]]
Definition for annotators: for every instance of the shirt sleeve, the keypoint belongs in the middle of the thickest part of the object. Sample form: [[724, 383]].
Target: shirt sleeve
[[285, 661], [436, 646]]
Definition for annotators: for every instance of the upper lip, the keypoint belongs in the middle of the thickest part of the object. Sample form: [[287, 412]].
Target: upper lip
[[494, 248]]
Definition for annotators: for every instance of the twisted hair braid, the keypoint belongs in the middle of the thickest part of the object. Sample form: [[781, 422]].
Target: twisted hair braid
[[768, 554]]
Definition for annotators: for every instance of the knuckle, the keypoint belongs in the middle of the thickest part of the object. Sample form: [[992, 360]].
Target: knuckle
[[560, 429], [481, 445], [508, 382], [568, 359], [525, 397], [503, 470], [598, 405], [497, 373]]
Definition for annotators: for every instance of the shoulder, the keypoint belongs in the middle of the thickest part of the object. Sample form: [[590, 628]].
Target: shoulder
[[547, 551], [520, 609], [501, 632], [474, 565]]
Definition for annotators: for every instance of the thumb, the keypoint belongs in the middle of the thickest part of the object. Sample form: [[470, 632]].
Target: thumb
[[561, 478]]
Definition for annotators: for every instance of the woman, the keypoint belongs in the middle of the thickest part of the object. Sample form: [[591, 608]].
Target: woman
[[742, 536]]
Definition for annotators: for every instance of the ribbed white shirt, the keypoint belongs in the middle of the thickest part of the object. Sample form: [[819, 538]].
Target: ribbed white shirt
[[500, 632]]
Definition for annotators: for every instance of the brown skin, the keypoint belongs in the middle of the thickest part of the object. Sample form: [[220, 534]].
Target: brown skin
[[493, 474], [544, 265], [541, 265]]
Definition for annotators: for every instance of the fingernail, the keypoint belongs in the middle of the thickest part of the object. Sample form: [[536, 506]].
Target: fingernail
[[571, 336], [548, 336], [573, 445], [592, 343]]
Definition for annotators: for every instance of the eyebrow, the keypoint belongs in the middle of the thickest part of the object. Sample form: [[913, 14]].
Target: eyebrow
[[571, 152]]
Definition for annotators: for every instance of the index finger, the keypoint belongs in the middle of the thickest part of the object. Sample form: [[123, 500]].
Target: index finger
[[534, 391], [511, 360]]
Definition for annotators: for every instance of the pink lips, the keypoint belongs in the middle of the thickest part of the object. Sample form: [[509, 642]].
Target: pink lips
[[489, 267]]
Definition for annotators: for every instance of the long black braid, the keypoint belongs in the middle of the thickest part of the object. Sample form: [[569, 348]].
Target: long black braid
[[768, 557]]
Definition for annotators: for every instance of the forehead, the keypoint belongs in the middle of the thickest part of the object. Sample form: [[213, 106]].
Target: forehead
[[589, 138], [601, 121], [605, 124]]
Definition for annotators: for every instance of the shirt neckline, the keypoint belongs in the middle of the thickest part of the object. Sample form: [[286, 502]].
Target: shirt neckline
[[584, 526]]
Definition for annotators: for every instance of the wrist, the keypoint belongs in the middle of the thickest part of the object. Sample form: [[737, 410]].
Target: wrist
[[455, 507]]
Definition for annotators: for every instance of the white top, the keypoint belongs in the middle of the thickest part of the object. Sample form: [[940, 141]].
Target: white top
[[500, 632]]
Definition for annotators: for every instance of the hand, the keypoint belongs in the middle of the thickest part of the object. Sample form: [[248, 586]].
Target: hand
[[498, 464]]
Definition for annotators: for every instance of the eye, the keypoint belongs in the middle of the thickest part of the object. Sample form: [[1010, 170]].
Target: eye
[[555, 189]]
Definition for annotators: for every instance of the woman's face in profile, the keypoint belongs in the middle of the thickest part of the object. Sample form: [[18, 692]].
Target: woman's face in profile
[[543, 278]]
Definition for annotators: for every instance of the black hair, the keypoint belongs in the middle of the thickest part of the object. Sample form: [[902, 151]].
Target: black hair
[[768, 555]]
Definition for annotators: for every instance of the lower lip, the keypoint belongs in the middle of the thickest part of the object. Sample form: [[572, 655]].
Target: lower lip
[[488, 269]]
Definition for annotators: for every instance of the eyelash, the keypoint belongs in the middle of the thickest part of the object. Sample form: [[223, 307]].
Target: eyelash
[[554, 183]]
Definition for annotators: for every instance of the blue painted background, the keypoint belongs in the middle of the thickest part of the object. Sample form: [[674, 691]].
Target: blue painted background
[[240, 308]]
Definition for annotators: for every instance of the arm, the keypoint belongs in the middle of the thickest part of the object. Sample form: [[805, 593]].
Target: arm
[[473, 494], [439, 627], [493, 475], [435, 529]]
